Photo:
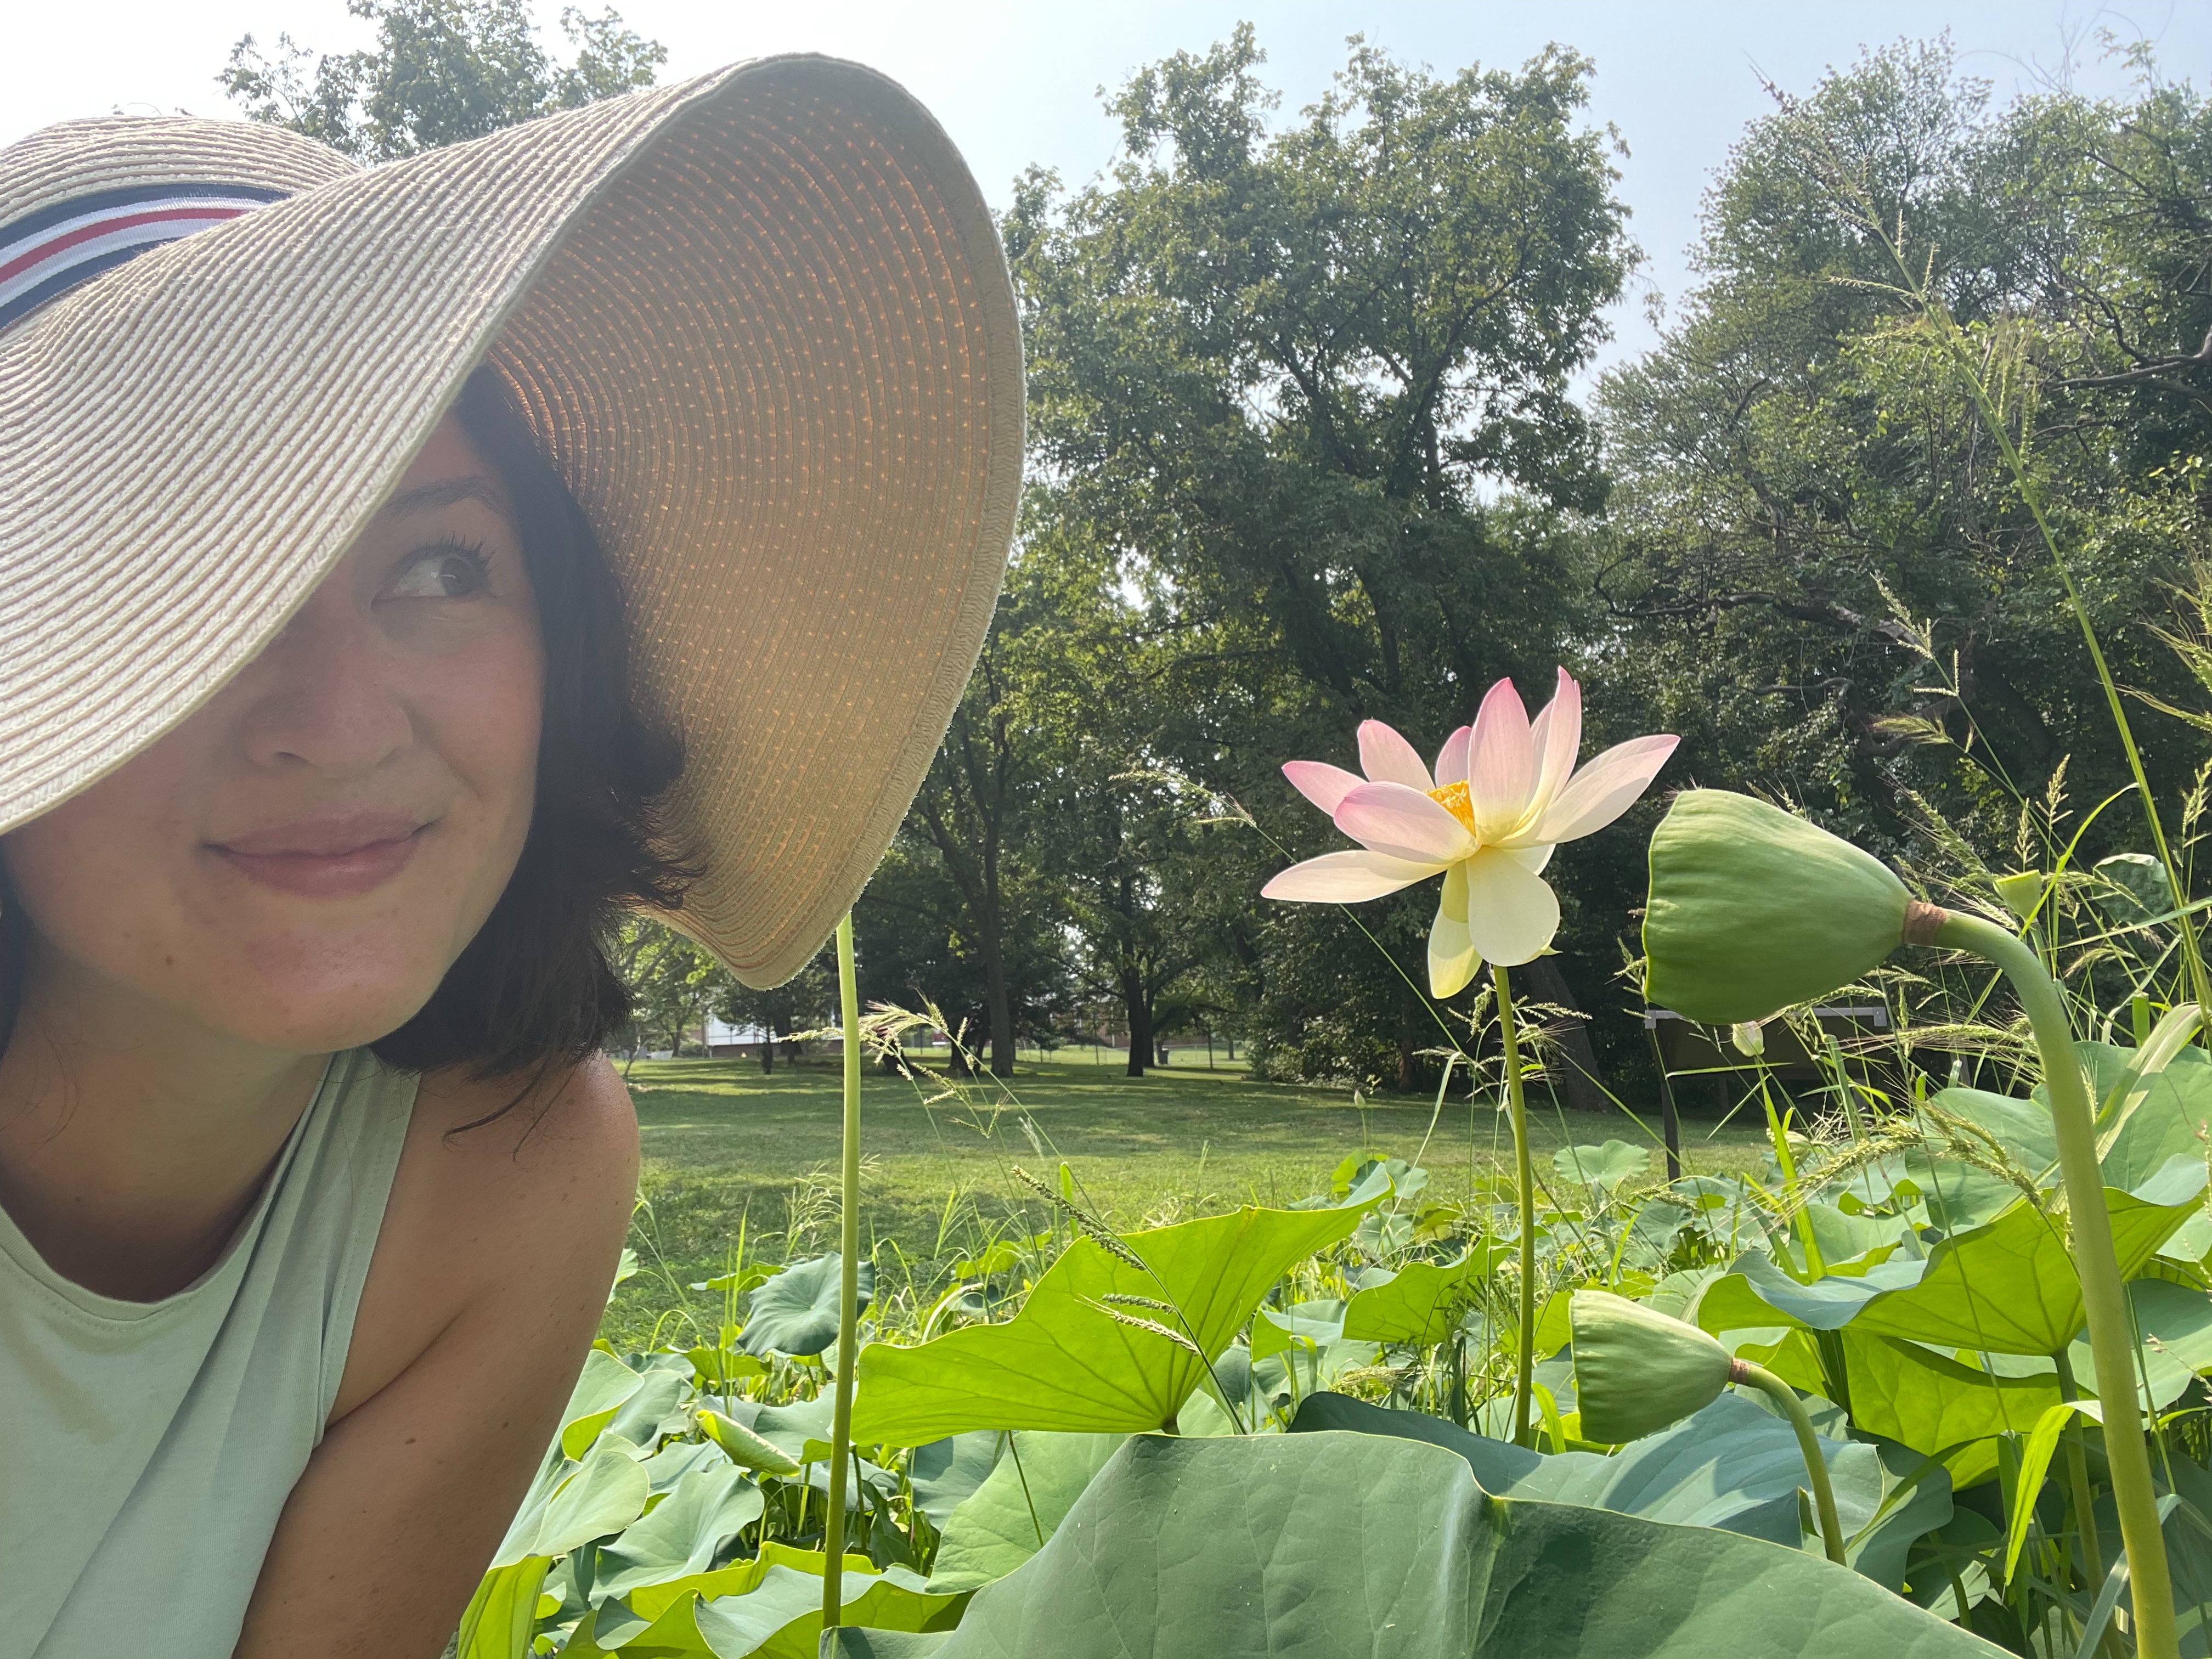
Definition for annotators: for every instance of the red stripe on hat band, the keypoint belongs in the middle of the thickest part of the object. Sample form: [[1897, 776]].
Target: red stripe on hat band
[[203, 213]]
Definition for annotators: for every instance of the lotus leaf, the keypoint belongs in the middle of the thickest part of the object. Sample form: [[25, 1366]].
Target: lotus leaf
[[656, 1409], [781, 1618], [746, 1448], [1422, 1305], [1825, 1304], [679, 1458], [944, 1471], [1933, 1404], [1310, 1328], [1066, 1361], [1605, 1166], [603, 1388], [2009, 1287], [1333, 1543], [2021, 1128], [1734, 1466], [796, 1312], [1018, 1506], [2176, 1106], [601, 1496], [497, 1622], [681, 1534]]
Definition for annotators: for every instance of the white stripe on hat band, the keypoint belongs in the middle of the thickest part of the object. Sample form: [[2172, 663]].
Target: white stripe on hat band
[[167, 230], [227, 206], [159, 219]]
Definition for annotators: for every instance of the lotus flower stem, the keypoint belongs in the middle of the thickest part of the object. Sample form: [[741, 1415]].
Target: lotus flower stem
[[2103, 1296], [1524, 1169], [841, 1421], [1809, 1442]]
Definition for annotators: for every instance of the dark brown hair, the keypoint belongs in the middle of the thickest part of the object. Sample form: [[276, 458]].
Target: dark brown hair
[[534, 990]]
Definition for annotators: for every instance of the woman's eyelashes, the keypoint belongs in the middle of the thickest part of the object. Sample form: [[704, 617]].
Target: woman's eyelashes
[[450, 570]]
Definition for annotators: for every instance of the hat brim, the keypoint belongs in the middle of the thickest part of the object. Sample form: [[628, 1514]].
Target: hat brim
[[760, 323]]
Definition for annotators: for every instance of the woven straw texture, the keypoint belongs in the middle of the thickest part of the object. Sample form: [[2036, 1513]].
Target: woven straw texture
[[760, 323]]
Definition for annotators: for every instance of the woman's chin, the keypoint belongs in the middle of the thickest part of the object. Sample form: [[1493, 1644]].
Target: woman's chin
[[316, 1026], [309, 1013]]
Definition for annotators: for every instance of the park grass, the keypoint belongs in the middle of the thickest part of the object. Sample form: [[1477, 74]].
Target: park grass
[[727, 1148]]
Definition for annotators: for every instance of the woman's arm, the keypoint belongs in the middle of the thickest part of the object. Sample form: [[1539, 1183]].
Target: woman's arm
[[489, 1279]]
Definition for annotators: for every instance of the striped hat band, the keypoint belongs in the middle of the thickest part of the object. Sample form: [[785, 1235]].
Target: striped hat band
[[44, 254]]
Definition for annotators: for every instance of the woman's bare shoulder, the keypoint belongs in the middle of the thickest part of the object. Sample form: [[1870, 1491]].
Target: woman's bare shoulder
[[580, 1111], [507, 1189]]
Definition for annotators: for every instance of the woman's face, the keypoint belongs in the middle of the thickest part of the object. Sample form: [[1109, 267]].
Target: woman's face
[[298, 864]]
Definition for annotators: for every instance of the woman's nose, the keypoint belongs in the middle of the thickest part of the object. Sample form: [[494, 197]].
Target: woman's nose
[[325, 699]]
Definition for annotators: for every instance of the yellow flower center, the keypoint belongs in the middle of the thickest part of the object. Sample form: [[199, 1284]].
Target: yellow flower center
[[1453, 799]]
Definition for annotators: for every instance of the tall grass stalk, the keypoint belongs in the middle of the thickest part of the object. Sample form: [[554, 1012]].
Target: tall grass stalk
[[2111, 1338], [848, 1314]]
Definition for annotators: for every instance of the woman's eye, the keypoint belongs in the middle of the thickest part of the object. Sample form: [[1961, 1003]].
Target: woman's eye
[[441, 573]]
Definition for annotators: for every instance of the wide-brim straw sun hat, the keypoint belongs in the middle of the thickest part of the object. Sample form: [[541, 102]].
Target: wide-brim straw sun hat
[[759, 323]]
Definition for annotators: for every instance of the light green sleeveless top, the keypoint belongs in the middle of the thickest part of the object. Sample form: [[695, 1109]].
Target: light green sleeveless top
[[146, 1447]]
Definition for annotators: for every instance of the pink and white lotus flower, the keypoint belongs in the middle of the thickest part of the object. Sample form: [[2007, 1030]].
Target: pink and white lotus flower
[[1505, 792]]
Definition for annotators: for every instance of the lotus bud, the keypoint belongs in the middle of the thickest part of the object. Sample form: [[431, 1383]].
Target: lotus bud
[[2023, 891], [1750, 1037], [1753, 909], [1637, 1370]]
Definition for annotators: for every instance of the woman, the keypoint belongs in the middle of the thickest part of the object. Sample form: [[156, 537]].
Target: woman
[[400, 572]]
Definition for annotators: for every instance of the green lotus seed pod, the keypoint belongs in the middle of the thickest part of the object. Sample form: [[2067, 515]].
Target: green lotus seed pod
[[1753, 909], [1637, 1370]]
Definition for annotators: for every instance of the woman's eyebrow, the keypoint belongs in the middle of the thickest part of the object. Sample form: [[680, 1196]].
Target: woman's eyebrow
[[445, 492]]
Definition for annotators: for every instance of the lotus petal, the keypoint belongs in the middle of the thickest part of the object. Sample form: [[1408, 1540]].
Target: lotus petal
[[1453, 958], [1501, 763], [1556, 734], [1319, 782], [1606, 788], [1386, 758], [1532, 858], [1404, 822], [1344, 879], [1451, 759], [1511, 915]]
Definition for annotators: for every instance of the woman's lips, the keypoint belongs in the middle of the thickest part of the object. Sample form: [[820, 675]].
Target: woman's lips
[[326, 859]]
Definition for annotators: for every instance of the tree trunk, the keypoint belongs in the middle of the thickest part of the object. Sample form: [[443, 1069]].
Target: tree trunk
[[1578, 1075], [1002, 1001], [1138, 1008], [768, 1049]]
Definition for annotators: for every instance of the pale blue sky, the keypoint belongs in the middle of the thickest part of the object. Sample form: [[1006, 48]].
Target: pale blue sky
[[1016, 83]]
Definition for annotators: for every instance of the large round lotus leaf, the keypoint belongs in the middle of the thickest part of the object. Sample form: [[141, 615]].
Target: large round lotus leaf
[[1753, 909], [796, 1312], [1336, 1546], [1635, 1370]]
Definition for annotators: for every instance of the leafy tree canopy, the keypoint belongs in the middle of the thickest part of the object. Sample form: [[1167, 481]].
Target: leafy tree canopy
[[441, 71]]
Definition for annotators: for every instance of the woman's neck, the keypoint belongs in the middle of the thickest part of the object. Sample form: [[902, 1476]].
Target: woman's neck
[[134, 1141]]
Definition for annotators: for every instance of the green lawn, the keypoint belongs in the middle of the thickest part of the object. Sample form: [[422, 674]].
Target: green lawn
[[726, 1146]]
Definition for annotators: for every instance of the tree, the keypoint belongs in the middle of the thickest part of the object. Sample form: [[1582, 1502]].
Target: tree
[[806, 1001], [1827, 579], [676, 983], [441, 71], [1310, 389], [1115, 823]]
